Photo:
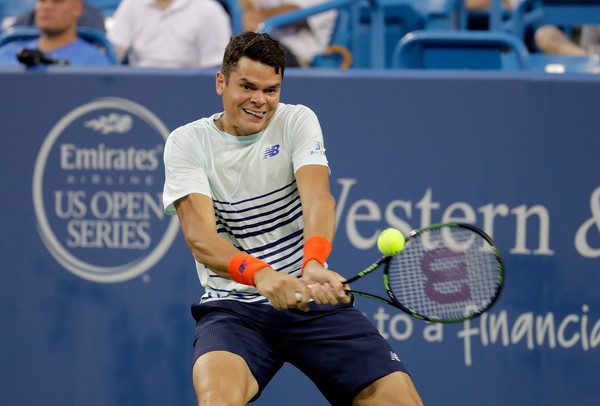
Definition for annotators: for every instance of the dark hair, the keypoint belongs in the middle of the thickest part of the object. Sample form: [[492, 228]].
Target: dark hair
[[258, 47]]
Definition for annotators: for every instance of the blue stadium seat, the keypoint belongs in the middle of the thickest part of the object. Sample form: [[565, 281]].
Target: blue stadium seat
[[338, 54], [13, 8], [107, 7], [442, 14], [385, 22], [484, 50], [498, 14], [379, 25], [235, 14], [368, 30], [96, 37]]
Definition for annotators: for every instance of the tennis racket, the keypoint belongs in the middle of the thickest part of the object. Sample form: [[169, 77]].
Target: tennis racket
[[446, 273]]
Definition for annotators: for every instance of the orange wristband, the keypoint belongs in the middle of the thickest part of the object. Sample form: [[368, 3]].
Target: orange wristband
[[317, 248], [242, 268]]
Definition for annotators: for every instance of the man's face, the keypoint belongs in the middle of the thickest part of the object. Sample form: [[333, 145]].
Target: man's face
[[250, 97], [54, 17]]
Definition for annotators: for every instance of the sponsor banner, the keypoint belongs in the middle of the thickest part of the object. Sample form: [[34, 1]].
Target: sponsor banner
[[97, 274], [97, 187]]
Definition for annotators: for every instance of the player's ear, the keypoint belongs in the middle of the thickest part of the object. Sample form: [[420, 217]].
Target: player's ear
[[220, 82]]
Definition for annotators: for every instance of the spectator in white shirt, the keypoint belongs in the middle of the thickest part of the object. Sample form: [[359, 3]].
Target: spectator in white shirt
[[170, 33], [302, 41]]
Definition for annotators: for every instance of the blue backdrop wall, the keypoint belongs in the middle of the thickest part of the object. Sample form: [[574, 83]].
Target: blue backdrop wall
[[96, 283]]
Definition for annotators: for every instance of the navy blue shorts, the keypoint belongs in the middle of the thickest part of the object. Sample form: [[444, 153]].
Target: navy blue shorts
[[337, 347]]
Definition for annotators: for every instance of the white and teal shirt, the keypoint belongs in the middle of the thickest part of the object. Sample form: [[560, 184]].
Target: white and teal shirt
[[252, 185]]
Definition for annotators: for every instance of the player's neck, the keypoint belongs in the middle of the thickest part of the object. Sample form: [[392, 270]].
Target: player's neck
[[219, 123]]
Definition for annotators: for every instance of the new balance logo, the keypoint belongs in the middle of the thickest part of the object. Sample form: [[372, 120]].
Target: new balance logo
[[271, 151], [243, 266], [318, 148], [394, 357]]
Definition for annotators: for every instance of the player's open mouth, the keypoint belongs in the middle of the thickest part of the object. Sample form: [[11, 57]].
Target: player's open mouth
[[258, 114]]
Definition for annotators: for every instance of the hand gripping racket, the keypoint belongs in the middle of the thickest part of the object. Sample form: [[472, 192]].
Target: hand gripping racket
[[446, 273]]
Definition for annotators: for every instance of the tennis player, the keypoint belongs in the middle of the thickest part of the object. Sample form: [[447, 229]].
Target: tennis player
[[250, 186]]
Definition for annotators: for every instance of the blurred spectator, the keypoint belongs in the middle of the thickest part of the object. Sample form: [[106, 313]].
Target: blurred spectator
[[301, 41], [91, 17], [551, 40], [58, 40], [170, 33]]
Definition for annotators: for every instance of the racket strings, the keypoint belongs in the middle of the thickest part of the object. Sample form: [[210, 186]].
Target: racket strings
[[445, 274]]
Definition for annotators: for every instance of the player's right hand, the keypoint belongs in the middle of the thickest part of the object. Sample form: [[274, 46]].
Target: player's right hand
[[281, 289]]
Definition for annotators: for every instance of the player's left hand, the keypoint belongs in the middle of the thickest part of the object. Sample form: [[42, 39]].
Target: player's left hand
[[283, 291]]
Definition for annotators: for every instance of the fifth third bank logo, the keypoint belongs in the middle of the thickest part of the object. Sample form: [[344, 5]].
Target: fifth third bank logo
[[97, 191]]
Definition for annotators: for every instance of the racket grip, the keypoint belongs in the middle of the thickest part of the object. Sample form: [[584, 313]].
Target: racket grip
[[299, 296]]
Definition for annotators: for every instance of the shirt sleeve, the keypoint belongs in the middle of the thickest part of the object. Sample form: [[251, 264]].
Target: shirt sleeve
[[119, 32], [307, 146], [184, 169]]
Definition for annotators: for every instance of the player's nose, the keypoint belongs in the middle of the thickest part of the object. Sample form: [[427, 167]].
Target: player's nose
[[258, 97]]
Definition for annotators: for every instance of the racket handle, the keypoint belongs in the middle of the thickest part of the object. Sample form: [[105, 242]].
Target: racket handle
[[299, 295]]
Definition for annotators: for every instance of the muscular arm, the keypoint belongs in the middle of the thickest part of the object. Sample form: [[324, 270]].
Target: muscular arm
[[318, 204], [199, 227], [318, 211]]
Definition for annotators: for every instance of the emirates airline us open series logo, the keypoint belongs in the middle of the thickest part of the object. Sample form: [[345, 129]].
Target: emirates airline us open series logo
[[97, 191]]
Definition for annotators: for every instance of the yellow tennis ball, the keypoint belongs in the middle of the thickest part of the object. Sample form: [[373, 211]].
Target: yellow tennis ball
[[390, 242]]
